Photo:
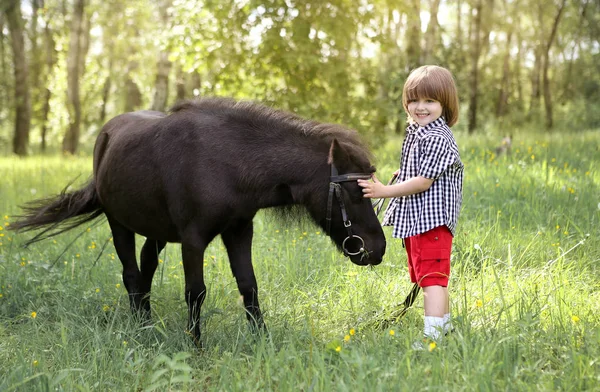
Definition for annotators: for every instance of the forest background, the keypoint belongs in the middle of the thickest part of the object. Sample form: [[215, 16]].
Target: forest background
[[67, 66]]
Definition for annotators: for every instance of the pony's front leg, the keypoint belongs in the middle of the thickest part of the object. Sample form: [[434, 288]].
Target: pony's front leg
[[238, 242], [195, 289]]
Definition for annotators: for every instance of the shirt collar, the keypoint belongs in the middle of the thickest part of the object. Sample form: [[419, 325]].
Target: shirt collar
[[434, 124]]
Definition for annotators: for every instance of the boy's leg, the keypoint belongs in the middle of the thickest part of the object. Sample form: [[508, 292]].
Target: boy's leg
[[435, 301], [433, 270]]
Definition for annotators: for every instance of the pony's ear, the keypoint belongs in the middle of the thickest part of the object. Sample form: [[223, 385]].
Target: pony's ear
[[338, 155]]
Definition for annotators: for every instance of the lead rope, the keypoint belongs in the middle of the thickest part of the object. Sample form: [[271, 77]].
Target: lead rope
[[414, 291]]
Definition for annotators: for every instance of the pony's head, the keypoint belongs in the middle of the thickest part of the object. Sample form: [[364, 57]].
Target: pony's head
[[350, 220]]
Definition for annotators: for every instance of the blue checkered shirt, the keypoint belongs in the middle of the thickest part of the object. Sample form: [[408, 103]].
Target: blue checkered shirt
[[431, 152]]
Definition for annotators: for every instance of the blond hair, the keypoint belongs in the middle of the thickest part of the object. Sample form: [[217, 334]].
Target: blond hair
[[434, 82]]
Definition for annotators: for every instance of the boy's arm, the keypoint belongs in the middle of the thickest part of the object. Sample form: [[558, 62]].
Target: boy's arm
[[376, 189]]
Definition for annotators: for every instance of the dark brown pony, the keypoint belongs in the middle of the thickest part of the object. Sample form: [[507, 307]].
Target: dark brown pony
[[206, 169]]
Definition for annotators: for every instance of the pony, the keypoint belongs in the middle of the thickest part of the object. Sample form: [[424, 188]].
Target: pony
[[205, 169]]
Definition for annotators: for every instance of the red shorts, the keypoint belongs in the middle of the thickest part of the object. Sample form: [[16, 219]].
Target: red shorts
[[429, 257]]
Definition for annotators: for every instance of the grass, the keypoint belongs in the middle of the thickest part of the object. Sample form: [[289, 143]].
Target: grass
[[525, 293]]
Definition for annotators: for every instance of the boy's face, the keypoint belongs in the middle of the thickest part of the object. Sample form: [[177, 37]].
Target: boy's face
[[424, 110]]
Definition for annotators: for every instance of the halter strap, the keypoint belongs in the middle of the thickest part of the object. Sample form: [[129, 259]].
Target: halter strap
[[335, 177], [336, 188]]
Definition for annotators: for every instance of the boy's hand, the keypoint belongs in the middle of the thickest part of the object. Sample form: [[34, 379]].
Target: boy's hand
[[373, 189]]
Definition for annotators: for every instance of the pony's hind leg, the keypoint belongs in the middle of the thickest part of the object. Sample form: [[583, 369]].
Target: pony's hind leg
[[238, 241], [149, 262], [195, 289], [124, 242]]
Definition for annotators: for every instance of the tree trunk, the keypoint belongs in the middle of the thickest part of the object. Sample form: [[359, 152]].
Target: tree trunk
[[106, 92], [504, 80], [74, 62], [35, 58], [546, 79], [412, 55], [517, 72], [486, 25], [3, 67], [535, 85], [163, 67], [50, 61], [536, 72], [431, 34], [459, 24], [133, 95], [161, 86], [413, 36], [568, 85], [22, 100], [475, 52], [180, 83]]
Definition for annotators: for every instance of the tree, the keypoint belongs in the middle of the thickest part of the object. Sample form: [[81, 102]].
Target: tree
[[413, 35], [50, 61], [163, 66], [22, 99], [431, 34], [475, 53], [74, 67], [546, 57], [3, 69]]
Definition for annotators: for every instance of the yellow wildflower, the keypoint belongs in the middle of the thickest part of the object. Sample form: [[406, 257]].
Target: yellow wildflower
[[352, 331], [479, 303], [432, 346], [338, 349], [575, 319], [392, 332], [33, 315]]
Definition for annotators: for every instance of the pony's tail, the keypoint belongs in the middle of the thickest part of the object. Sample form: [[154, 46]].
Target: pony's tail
[[57, 214]]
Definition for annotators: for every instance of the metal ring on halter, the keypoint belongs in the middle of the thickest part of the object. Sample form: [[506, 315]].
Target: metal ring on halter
[[360, 250]]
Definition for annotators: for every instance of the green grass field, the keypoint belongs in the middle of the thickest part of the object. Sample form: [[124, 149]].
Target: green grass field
[[525, 293]]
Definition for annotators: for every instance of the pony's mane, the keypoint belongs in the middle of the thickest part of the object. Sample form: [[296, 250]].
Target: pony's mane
[[255, 113]]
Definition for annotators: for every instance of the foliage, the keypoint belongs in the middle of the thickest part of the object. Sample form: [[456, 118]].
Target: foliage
[[337, 60], [524, 293]]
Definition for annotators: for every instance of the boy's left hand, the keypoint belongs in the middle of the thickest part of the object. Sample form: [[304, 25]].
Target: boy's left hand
[[373, 189]]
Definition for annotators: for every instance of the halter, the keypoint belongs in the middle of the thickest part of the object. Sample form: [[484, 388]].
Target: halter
[[336, 188]]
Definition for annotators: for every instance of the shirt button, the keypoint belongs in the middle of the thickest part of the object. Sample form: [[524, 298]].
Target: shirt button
[[436, 238]]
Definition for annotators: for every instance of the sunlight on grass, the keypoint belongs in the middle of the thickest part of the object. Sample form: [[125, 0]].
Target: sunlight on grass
[[524, 293]]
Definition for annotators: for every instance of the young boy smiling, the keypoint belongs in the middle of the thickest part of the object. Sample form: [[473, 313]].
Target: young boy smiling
[[428, 193]]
